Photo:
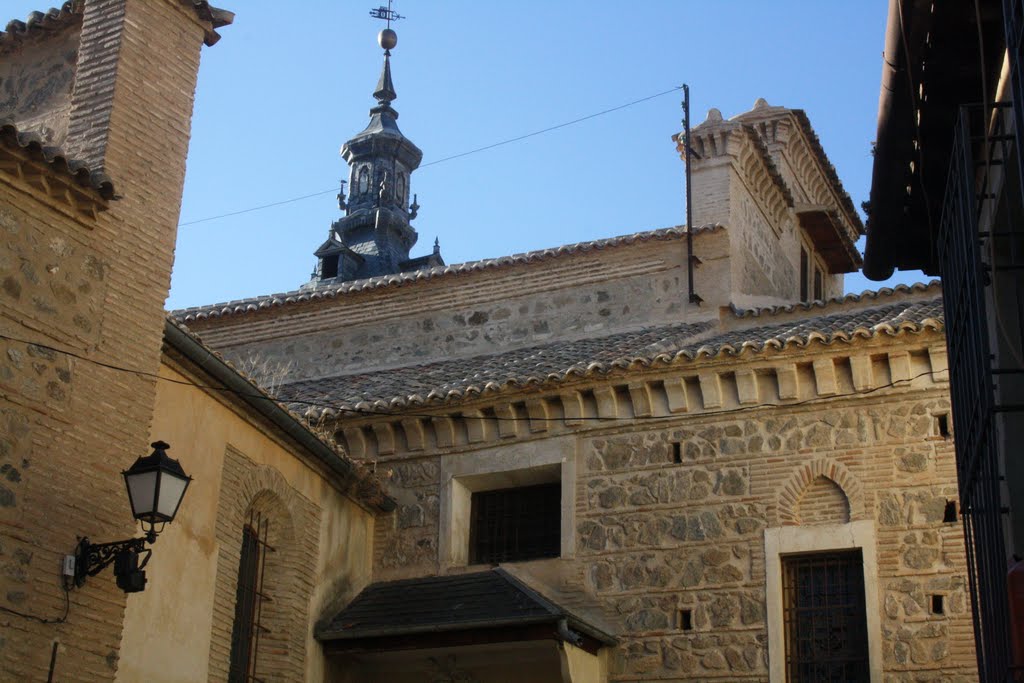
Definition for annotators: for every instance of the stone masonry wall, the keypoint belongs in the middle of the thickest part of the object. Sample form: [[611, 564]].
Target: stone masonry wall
[[35, 82], [93, 289], [670, 515], [589, 294]]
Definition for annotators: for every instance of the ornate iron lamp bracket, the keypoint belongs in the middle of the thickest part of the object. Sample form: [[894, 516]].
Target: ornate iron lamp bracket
[[91, 559]]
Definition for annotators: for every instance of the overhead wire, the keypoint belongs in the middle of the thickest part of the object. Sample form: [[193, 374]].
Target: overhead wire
[[443, 159], [367, 412]]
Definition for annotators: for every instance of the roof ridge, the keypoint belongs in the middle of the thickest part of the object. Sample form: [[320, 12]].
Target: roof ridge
[[834, 302], [52, 18], [252, 304]]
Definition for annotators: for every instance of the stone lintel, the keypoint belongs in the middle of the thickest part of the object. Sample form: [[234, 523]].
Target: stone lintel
[[507, 423], [825, 377], [789, 387], [444, 428], [710, 389], [899, 366], [385, 437], [863, 377], [356, 442], [415, 437], [537, 409], [607, 402], [675, 392], [640, 395], [572, 408], [746, 387]]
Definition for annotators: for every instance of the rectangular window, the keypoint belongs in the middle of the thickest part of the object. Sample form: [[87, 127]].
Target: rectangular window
[[817, 284], [330, 267], [804, 280], [249, 598], [825, 617], [516, 524]]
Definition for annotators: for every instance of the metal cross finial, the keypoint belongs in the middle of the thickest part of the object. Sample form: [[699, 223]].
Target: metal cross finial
[[386, 13]]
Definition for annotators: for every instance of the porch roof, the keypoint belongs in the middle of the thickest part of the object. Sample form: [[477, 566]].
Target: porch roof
[[396, 613]]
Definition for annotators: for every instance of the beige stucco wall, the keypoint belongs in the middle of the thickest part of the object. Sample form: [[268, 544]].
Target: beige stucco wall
[[167, 628]]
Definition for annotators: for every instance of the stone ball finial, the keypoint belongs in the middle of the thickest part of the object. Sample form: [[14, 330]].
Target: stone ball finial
[[714, 115], [761, 103], [387, 39]]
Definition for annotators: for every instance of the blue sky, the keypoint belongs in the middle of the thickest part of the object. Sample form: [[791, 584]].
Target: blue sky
[[289, 83]]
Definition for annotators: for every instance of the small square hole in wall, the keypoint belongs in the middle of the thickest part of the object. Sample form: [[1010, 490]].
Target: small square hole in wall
[[677, 453], [942, 425], [938, 605], [949, 514], [685, 620]]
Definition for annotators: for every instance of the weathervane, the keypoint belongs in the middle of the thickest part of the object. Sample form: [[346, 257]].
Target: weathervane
[[386, 13]]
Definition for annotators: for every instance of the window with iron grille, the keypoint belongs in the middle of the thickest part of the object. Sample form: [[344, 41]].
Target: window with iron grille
[[516, 524], [249, 599], [825, 618]]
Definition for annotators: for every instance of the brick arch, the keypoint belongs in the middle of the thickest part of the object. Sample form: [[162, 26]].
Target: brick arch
[[248, 488], [804, 475]]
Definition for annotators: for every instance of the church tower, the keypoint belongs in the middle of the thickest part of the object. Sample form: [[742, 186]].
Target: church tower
[[375, 236]]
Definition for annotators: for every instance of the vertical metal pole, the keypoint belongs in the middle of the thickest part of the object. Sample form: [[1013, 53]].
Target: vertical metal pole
[[694, 299]]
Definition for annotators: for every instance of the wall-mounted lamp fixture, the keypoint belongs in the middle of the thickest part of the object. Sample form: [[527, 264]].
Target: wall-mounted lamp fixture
[[156, 484]]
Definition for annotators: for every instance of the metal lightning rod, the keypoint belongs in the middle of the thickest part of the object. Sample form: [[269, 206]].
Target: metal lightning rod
[[691, 260]]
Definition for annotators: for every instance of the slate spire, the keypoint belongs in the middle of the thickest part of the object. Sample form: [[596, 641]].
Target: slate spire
[[375, 235], [385, 92]]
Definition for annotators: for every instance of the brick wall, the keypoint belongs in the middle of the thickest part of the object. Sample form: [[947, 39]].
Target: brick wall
[[94, 287]]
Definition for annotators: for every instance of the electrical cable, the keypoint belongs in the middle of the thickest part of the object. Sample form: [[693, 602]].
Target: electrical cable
[[443, 159], [404, 413], [43, 620]]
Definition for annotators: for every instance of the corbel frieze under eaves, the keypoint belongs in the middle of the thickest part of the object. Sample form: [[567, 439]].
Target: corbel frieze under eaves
[[786, 378], [53, 189]]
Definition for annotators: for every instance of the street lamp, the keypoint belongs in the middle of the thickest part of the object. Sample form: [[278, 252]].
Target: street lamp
[[156, 484]]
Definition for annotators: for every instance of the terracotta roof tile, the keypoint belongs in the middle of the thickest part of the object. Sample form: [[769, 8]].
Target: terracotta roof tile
[[51, 19], [57, 160], [399, 279], [933, 286], [457, 379]]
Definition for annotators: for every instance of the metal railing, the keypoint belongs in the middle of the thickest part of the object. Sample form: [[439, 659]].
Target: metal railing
[[981, 146]]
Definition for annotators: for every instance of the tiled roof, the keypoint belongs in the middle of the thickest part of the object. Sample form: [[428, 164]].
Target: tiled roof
[[369, 489], [457, 379], [72, 10], [488, 599], [50, 19], [400, 279], [57, 160], [933, 286]]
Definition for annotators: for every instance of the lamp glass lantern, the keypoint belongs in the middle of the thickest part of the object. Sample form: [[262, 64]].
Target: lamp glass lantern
[[156, 485]]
